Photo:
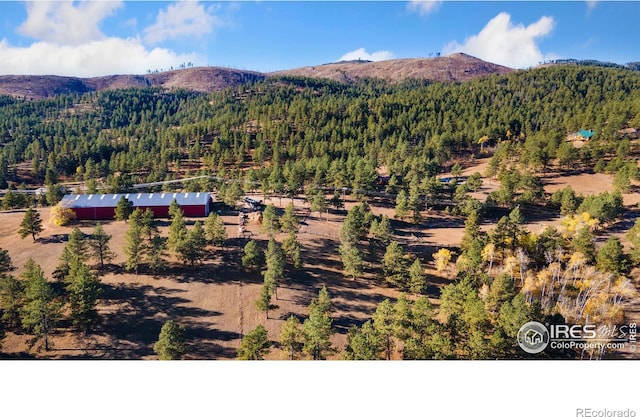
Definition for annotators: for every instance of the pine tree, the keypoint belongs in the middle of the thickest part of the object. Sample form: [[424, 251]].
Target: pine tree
[[384, 323], [253, 257], [291, 337], [177, 229], [156, 249], [319, 203], [414, 202], [611, 257], [124, 208], [363, 343], [316, 333], [289, 220], [5, 262], [583, 242], [402, 204], [263, 303], [323, 302], [193, 246], [11, 299], [134, 247], [351, 259], [77, 244], [275, 265], [64, 265], [291, 248], [40, 310], [84, 290], [254, 345], [99, 244], [417, 278], [270, 221], [394, 265], [215, 230], [31, 224], [171, 344]]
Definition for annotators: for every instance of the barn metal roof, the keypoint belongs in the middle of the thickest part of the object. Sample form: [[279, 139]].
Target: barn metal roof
[[138, 199]]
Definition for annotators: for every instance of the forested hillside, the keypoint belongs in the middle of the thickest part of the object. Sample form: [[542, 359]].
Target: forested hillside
[[329, 131]]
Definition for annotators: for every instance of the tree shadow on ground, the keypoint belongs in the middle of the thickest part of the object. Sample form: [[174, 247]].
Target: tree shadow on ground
[[138, 313]]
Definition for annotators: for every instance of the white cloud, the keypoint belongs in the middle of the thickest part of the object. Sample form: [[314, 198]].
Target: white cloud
[[183, 19], [64, 23], [100, 57], [504, 43], [423, 7], [366, 56]]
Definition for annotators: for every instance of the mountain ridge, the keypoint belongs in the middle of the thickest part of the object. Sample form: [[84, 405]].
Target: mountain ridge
[[450, 68]]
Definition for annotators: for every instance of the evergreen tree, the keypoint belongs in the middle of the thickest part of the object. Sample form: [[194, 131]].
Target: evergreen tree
[[5, 262], [263, 303], [193, 246], [413, 201], [319, 203], [394, 265], [583, 242], [31, 224], [402, 204], [215, 230], [134, 247], [384, 323], [275, 265], [124, 208], [611, 257], [292, 250], [316, 333], [177, 229], [253, 257], [291, 337], [77, 245], [171, 344], [84, 290], [99, 244], [417, 278], [354, 227], [363, 343], [254, 345], [40, 310], [270, 221], [323, 302], [289, 220], [64, 265], [351, 259], [11, 299], [156, 251]]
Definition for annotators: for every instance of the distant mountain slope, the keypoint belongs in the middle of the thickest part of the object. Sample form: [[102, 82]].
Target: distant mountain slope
[[202, 79], [456, 67]]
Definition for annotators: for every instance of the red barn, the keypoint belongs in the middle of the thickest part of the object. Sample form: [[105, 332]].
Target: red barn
[[103, 206]]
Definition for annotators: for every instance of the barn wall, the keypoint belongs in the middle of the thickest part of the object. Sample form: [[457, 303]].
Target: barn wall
[[107, 213], [94, 213], [195, 211]]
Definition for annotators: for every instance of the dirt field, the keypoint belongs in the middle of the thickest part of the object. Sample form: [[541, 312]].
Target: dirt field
[[216, 301]]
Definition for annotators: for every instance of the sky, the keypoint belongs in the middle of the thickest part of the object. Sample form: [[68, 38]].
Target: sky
[[94, 38]]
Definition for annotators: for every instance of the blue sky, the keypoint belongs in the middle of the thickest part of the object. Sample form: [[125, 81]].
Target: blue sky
[[93, 38]]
